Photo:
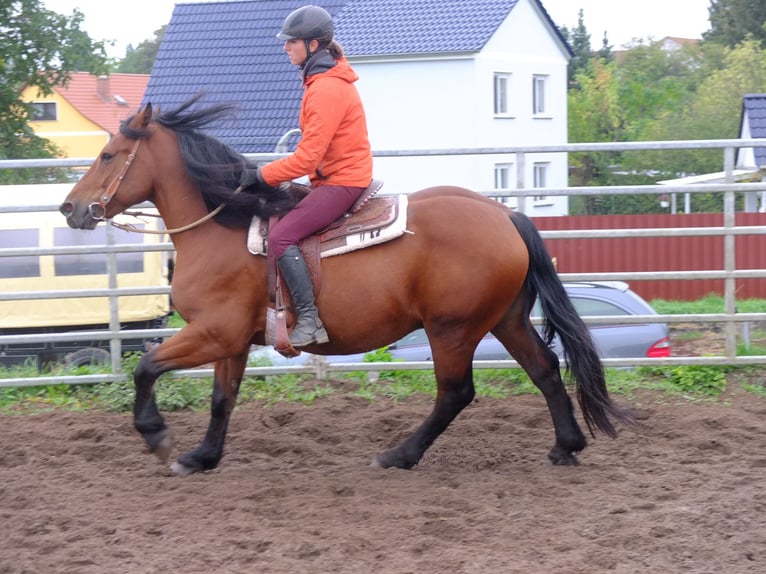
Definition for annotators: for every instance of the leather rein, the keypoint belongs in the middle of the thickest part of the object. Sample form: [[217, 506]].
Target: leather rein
[[98, 209]]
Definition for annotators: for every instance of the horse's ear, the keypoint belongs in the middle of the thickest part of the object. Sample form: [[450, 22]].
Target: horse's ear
[[144, 115]]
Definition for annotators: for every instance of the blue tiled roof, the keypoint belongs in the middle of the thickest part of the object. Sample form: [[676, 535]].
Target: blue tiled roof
[[230, 51], [384, 27], [754, 107]]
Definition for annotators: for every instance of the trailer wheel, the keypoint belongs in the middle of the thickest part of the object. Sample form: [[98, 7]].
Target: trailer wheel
[[87, 356]]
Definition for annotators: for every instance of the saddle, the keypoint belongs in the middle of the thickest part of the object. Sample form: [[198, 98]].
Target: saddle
[[369, 221]]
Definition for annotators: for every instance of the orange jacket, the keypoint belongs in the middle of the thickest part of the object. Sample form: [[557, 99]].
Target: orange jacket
[[334, 147]]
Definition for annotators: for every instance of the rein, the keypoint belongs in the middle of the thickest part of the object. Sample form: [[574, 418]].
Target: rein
[[132, 228]]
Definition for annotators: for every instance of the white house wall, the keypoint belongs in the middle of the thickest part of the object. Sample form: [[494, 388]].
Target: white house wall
[[746, 155], [440, 103]]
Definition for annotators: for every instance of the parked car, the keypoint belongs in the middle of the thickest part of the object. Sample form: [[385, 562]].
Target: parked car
[[612, 298]]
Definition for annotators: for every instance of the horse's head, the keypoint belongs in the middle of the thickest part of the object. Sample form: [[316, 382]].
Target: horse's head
[[118, 178]]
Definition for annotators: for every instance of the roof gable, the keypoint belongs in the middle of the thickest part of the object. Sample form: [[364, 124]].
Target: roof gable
[[389, 27], [229, 50], [754, 109], [105, 100]]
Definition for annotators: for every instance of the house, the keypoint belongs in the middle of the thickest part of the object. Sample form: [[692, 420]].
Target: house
[[674, 43], [434, 75], [749, 163], [81, 116], [752, 125]]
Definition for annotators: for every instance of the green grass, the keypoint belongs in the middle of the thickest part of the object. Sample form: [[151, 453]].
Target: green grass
[[707, 305]]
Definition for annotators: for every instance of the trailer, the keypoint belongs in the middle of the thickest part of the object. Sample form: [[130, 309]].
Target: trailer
[[35, 272]]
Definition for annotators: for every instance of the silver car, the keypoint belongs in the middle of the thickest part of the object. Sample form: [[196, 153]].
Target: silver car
[[612, 298]]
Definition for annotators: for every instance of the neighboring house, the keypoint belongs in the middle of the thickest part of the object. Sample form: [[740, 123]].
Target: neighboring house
[[434, 74], [750, 163], [752, 125], [671, 43], [82, 116]]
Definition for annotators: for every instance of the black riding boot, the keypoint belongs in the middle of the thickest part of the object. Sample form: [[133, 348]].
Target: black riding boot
[[308, 326]]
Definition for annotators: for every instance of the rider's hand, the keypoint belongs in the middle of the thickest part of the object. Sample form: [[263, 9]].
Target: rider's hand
[[250, 176]]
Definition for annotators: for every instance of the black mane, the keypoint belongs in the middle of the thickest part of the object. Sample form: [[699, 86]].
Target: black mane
[[215, 167]]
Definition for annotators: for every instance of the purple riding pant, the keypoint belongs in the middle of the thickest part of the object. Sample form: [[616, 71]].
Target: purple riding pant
[[317, 210]]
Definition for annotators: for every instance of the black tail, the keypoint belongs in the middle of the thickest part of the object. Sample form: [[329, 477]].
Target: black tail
[[560, 317]]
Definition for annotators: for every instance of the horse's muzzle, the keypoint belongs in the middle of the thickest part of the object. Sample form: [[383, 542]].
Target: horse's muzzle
[[83, 219]]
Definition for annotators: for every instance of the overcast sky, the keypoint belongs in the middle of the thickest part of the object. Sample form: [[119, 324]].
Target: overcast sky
[[134, 21]]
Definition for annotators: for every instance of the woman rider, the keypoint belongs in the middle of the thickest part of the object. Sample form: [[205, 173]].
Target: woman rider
[[334, 151]]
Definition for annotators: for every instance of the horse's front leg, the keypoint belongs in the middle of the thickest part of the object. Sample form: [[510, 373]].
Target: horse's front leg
[[146, 416], [227, 378], [191, 347]]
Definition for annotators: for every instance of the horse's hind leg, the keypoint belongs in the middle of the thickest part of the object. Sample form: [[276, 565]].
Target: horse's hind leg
[[542, 365], [227, 379], [454, 376]]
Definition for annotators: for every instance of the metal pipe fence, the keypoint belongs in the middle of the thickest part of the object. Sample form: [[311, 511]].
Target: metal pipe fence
[[321, 369]]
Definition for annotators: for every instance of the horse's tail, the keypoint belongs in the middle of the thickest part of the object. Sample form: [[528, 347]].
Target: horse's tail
[[560, 317]]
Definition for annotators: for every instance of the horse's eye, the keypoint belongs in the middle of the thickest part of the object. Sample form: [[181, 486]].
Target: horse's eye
[[106, 157]]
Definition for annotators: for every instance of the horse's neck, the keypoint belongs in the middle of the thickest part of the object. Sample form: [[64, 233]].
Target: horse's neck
[[180, 207]]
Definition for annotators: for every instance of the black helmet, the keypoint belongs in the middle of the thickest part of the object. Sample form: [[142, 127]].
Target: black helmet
[[307, 23]]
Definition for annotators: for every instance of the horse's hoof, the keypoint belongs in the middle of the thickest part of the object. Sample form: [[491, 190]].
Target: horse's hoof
[[561, 457], [163, 445], [391, 459], [181, 469]]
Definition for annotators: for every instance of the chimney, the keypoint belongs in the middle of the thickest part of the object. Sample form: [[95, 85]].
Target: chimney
[[102, 88]]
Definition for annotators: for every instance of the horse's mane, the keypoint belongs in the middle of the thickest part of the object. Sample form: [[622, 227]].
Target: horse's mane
[[214, 166]]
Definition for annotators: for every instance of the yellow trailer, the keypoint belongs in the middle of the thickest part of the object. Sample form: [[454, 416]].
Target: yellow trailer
[[86, 270]]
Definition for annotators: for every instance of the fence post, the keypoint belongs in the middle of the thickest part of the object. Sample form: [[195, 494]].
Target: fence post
[[729, 261], [115, 344], [520, 175]]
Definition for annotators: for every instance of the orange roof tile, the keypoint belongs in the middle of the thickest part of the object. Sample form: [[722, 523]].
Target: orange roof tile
[[105, 100]]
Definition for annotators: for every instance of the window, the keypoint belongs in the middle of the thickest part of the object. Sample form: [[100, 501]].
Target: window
[[586, 307], [540, 171], [538, 94], [22, 266], [43, 111], [502, 94], [94, 263], [503, 174]]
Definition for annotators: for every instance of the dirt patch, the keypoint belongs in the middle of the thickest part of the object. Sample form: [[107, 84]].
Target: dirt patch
[[682, 493], [699, 340]]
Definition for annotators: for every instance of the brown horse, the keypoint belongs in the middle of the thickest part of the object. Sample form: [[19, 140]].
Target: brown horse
[[468, 266]]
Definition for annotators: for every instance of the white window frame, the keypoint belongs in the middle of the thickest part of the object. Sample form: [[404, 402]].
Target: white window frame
[[502, 94], [503, 179], [540, 180], [539, 99]]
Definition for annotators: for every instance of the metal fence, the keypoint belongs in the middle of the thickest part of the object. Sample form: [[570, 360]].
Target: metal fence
[[730, 319]]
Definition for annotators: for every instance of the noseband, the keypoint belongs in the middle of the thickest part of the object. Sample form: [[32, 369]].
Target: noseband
[[97, 210]]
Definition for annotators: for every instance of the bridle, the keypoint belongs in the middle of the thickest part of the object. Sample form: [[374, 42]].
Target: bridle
[[97, 209]]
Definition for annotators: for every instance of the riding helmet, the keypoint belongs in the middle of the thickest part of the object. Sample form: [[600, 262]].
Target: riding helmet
[[307, 23]]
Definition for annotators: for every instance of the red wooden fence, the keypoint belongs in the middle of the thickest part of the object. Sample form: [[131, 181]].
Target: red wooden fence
[[641, 254]]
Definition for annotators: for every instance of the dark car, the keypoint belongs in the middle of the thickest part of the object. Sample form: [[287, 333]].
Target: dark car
[[614, 340]]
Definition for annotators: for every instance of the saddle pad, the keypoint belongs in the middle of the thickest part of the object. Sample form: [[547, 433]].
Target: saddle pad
[[354, 239]]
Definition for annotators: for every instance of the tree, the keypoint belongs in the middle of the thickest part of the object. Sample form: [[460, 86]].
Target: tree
[[654, 81], [579, 40], [141, 59], [39, 48], [731, 21], [714, 110]]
